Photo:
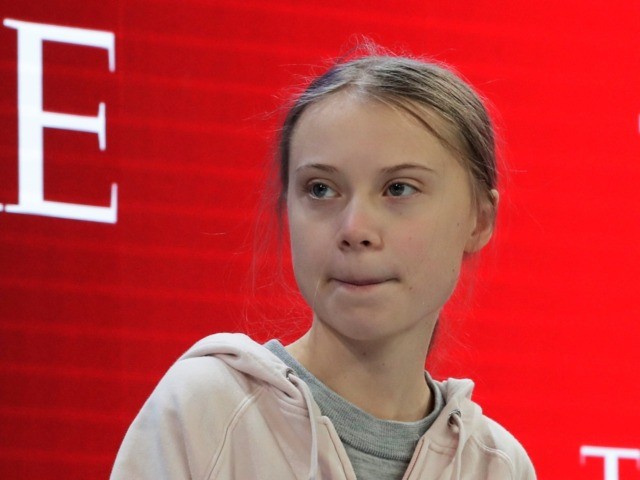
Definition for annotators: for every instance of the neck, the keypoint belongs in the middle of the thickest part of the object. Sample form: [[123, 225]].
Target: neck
[[385, 377]]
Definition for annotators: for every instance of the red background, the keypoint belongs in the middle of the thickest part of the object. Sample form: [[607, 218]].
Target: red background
[[91, 314]]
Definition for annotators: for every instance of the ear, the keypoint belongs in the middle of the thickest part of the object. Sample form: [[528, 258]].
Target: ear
[[485, 223]]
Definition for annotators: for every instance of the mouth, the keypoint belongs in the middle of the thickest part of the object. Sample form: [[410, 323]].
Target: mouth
[[361, 283]]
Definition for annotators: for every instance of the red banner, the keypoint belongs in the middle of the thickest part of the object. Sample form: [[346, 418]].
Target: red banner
[[136, 139]]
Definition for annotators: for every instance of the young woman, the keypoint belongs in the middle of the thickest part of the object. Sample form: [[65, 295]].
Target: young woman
[[388, 180]]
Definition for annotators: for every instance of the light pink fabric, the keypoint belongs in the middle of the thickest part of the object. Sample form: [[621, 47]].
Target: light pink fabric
[[230, 409]]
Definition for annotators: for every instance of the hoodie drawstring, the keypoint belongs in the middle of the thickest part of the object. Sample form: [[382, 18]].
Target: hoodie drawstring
[[455, 419], [313, 469]]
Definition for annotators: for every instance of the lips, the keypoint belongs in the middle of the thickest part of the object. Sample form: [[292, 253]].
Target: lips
[[361, 282]]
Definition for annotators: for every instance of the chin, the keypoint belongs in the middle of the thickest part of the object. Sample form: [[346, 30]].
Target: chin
[[362, 327]]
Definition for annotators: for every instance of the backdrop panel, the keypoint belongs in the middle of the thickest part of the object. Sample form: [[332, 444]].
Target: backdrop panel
[[136, 137]]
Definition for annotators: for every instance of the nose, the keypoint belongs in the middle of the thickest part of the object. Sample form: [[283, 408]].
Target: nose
[[360, 228]]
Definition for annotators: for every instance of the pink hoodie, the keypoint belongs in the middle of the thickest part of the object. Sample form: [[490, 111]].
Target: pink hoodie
[[230, 409]]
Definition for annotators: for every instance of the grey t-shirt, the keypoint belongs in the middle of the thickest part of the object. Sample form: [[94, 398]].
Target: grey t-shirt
[[378, 449]]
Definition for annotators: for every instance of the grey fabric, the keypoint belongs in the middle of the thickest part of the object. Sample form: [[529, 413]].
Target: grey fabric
[[378, 449]]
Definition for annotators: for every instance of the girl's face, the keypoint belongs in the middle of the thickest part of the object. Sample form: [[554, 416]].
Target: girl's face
[[380, 216]]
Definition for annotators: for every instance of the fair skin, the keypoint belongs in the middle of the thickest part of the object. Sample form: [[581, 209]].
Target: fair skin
[[381, 215]]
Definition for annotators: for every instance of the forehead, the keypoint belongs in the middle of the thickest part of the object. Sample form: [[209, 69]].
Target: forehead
[[365, 125]]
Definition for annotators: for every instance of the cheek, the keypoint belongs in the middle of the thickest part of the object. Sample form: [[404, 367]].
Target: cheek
[[298, 245], [308, 248], [435, 256]]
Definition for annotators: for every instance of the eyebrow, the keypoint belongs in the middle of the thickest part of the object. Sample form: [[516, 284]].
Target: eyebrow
[[317, 166], [387, 170], [407, 166]]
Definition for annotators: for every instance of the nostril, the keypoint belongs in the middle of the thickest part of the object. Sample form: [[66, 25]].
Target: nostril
[[366, 243]]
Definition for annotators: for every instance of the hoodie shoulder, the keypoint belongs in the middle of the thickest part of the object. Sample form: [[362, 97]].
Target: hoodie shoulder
[[201, 379], [494, 437], [181, 426], [496, 448]]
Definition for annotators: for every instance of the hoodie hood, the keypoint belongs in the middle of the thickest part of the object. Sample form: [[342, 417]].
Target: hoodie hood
[[246, 356], [251, 358]]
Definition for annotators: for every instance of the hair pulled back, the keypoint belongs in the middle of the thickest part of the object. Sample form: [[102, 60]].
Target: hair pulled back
[[419, 88]]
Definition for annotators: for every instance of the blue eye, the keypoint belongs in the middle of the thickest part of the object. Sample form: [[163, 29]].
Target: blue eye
[[321, 190], [398, 189]]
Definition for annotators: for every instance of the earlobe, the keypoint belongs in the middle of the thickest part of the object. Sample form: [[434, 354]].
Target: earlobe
[[485, 223]]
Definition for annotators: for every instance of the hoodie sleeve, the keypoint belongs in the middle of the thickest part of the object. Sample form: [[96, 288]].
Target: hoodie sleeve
[[179, 430], [523, 467], [522, 464], [508, 445]]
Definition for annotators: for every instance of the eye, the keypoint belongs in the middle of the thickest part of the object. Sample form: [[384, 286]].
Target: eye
[[321, 190], [398, 189]]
